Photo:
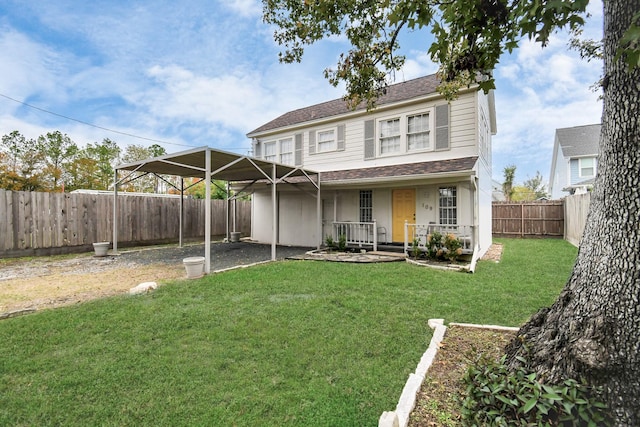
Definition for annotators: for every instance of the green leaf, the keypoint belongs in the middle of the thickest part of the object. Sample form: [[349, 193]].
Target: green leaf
[[529, 405], [551, 396]]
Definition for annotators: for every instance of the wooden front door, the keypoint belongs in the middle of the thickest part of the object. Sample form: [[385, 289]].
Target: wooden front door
[[403, 209]]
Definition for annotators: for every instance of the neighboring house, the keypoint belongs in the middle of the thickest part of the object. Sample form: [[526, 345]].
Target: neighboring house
[[416, 159], [497, 192], [574, 162]]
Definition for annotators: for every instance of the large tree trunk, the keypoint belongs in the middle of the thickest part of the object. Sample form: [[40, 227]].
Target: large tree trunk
[[593, 330]]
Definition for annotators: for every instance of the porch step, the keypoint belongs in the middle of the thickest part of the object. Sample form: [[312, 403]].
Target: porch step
[[391, 248], [387, 253]]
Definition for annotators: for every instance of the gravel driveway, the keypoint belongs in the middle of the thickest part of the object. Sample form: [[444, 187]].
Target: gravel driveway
[[223, 255]]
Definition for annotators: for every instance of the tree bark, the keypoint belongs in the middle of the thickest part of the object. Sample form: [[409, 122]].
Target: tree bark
[[592, 331]]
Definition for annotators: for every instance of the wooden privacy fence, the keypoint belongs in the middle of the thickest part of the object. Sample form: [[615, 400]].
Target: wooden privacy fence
[[528, 219], [576, 208], [31, 221]]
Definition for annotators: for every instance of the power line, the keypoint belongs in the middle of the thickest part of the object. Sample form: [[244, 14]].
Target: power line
[[96, 126]]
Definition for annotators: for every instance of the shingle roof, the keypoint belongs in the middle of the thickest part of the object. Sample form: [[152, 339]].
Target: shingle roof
[[398, 92], [579, 140], [402, 170]]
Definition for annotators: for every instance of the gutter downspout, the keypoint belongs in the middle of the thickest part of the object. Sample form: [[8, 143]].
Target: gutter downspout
[[476, 226]]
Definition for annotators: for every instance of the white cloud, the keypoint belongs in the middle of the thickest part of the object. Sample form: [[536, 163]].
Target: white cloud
[[246, 8], [26, 67], [417, 64]]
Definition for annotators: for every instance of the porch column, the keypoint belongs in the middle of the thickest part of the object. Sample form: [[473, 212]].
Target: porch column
[[319, 213]]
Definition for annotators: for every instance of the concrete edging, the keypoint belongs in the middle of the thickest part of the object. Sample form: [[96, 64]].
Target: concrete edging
[[407, 401]]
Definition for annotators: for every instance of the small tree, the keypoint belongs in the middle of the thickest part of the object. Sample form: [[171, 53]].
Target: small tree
[[507, 185]]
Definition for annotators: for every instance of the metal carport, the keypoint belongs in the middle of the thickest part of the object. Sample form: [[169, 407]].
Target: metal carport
[[208, 163]]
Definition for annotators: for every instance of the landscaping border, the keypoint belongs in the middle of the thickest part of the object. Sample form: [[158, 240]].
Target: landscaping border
[[407, 401]]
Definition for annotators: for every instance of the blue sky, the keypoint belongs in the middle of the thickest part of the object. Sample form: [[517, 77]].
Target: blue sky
[[206, 72]]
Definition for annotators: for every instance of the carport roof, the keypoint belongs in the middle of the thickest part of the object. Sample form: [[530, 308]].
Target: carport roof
[[225, 166]]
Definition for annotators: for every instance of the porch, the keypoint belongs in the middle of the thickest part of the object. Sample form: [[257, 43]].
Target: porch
[[369, 235], [420, 233]]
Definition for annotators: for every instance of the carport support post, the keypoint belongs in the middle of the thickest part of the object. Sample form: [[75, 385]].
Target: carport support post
[[274, 206], [228, 210], [181, 211], [207, 212], [115, 211]]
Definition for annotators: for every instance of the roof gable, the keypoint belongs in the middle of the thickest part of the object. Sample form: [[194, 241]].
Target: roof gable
[[579, 141], [394, 93]]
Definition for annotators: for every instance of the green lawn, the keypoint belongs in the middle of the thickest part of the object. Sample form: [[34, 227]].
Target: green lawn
[[286, 343]]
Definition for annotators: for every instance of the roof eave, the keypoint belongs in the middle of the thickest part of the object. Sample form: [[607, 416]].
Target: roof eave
[[397, 179]]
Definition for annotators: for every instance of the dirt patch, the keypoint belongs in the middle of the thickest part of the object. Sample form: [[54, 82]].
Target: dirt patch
[[53, 282], [437, 403]]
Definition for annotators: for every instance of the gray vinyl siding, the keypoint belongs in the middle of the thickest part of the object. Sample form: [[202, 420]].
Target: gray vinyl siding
[[463, 113]]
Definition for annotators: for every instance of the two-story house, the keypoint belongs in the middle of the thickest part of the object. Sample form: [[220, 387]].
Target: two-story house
[[415, 164], [574, 161]]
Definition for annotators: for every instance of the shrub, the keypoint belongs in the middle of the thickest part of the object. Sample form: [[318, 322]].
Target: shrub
[[415, 248], [497, 396], [434, 244], [453, 247], [329, 242], [340, 245], [443, 247], [342, 242]]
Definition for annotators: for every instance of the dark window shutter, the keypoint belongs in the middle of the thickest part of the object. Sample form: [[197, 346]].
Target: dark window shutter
[[369, 140], [298, 148], [312, 142], [257, 149], [340, 143], [442, 127]]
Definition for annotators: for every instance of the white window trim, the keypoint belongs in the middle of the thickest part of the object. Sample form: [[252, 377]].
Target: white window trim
[[278, 153], [274, 143], [404, 131], [291, 152], [457, 190], [594, 165], [333, 129]]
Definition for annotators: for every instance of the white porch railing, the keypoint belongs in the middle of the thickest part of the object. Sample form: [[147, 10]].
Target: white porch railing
[[358, 234], [419, 232]]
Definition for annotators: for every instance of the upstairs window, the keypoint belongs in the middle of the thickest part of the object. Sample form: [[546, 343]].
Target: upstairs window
[[286, 151], [418, 132], [389, 136], [270, 151], [326, 140], [587, 167]]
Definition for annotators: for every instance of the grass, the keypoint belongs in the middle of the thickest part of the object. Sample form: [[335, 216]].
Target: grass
[[287, 343]]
